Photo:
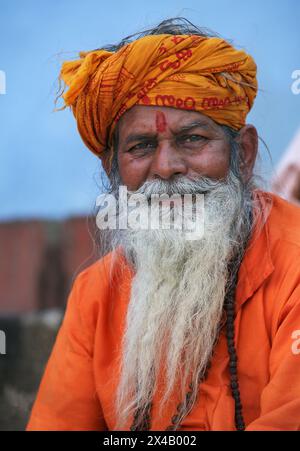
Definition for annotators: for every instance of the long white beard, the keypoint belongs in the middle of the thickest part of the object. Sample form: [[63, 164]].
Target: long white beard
[[177, 295]]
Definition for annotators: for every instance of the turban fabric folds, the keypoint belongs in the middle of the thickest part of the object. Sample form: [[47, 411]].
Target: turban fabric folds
[[190, 72]]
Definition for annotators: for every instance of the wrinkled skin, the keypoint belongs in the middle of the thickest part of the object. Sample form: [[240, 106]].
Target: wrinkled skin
[[163, 142]]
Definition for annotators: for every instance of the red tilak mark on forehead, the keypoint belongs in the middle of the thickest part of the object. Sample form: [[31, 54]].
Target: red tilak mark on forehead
[[161, 122]]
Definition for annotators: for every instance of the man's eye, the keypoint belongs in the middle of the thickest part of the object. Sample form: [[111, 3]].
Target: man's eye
[[142, 146], [192, 138]]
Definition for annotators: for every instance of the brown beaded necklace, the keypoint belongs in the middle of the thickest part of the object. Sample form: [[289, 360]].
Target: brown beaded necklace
[[229, 307]]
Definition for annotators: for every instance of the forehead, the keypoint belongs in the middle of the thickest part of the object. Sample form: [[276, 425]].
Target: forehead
[[145, 117]]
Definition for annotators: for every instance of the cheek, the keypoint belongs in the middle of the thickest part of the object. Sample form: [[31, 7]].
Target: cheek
[[213, 163], [133, 171]]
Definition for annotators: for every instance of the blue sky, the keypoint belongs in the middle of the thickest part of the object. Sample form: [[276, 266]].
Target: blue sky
[[45, 170]]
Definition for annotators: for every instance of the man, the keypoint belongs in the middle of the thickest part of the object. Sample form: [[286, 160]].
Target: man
[[166, 332]]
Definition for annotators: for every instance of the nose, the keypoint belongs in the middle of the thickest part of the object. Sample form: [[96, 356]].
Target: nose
[[167, 162]]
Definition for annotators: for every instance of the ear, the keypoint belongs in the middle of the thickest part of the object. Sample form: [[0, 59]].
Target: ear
[[248, 141], [105, 159]]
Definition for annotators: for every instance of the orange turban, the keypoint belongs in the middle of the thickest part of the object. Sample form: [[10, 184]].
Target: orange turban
[[190, 72]]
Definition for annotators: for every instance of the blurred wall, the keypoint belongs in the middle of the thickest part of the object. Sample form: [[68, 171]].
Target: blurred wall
[[39, 261]]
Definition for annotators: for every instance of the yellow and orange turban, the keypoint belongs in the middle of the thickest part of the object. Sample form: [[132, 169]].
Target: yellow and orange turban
[[190, 72]]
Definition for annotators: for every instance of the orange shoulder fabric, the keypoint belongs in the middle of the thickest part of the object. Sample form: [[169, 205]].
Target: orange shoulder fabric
[[280, 398], [67, 398]]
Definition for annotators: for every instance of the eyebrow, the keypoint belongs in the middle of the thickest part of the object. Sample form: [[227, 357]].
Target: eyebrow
[[195, 124], [143, 136], [139, 137]]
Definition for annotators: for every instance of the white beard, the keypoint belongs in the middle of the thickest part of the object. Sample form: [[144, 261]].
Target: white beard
[[177, 295]]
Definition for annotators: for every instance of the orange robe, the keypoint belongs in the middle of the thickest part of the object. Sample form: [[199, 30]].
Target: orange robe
[[78, 387]]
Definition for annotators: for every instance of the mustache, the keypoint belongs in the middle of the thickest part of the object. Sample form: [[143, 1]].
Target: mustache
[[179, 185]]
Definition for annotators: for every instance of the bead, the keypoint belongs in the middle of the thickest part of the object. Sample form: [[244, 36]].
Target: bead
[[188, 395], [230, 313], [179, 407], [236, 392], [231, 350], [237, 396], [233, 357], [175, 418], [239, 420]]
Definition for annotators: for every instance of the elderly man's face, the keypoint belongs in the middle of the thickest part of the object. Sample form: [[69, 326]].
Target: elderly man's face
[[163, 142]]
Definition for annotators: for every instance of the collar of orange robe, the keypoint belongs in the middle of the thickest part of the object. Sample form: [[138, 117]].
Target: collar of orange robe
[[190, 72], [258, 252]]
